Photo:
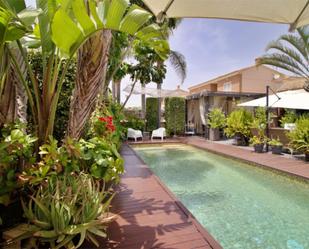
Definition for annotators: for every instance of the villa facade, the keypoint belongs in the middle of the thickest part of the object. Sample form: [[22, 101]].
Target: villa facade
[[228, 90]]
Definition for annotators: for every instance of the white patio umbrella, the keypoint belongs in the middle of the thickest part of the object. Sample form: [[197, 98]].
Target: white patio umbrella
[[296, 99], [154, 92], [293, 12]]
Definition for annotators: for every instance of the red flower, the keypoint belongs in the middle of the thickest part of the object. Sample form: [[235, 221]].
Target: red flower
[[102, 119]]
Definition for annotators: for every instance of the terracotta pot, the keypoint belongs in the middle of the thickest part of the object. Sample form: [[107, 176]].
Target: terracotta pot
[[214, 134], [258, 148]]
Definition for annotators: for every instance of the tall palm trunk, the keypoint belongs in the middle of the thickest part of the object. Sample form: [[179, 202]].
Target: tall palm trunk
[[116, 85], [91, 71], [13, 99]]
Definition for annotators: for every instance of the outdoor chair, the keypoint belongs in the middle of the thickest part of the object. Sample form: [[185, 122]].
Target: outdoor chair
[[189, 129], [159, 133], [134, 134]]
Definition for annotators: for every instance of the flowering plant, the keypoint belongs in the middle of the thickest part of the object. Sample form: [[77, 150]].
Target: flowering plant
[[109, 125]]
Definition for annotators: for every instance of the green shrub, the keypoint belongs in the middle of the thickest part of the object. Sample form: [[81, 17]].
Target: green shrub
[[16, 154], [290, 116], [134, 122], [216, 118], [299, 137], [151, 114], [239, 123], [260, 121], [175, 109]]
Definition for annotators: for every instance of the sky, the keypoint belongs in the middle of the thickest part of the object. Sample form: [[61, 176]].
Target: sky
[[212, 48]]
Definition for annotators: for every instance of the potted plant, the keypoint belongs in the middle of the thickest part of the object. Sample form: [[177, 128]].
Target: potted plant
[[258, 143], [259, 122], [299, 137], [238, 126], [216, 121], [276, 146]]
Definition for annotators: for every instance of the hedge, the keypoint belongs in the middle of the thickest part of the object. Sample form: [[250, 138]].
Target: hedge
[[175, 117], [151, 114]]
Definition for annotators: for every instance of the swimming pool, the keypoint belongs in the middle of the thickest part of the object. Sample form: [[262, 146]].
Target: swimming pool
[[242, 206]]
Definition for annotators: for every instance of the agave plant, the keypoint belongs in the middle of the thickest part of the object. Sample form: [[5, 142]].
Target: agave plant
[[68, 207]]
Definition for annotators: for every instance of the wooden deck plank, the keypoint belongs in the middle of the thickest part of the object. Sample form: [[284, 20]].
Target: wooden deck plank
[[149, 216], [291, 166]]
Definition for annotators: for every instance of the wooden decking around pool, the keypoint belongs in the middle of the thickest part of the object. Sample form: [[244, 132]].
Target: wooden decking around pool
[[298, 168], [149, 216]]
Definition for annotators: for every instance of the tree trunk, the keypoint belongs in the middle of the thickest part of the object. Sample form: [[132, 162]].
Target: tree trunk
[[13, 99], [143, 99], [91, 72], [159, 87], [116, 84]]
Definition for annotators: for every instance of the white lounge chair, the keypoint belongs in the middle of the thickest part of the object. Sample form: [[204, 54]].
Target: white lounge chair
[[134, 134], [159, 133]]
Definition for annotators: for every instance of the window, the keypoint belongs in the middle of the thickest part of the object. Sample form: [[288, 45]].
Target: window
[[227, 87]]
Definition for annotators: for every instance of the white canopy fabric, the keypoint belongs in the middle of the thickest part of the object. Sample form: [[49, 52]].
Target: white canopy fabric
[[296, 99], [293, 12], [154, 92]]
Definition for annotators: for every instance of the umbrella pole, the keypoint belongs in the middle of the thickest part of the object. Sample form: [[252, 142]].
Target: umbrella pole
[[267, 116]]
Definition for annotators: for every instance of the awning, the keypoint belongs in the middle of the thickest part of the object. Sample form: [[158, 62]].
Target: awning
[[297, 99], [293, 12], [154, 92]]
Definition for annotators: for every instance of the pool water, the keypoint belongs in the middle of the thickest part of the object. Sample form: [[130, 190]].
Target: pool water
[[241, 205]]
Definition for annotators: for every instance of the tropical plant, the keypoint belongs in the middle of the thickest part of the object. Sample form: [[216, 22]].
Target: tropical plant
[[257, 140], [275, 142], [260, 121], [291, 54], [93, 56], [299, 137], [216, 118], [289, 117], [67, 207], [58, 41], [239, 122], [16, 154], [175, 115]]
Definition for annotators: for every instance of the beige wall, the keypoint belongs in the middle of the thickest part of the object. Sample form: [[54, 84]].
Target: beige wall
[[256, 79], [236, 82], [251, 80]]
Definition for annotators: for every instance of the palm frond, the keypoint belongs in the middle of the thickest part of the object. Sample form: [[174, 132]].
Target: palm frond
[[276, 60], [178, 61], [294, 55]]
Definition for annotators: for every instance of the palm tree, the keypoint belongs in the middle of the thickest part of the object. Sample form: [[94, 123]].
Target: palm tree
[[290, 52]]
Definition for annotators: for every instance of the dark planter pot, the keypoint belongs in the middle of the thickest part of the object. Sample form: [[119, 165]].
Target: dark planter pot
[[258, 148], [241, 140], [214, 134], [307, 157], [11, 215], [277, 150]]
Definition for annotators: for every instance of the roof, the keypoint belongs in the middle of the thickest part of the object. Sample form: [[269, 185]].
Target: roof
[[291, 83], [233, 73], [225, 94]]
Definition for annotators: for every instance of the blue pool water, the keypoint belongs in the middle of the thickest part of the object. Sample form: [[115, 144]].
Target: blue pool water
[[242, 206]]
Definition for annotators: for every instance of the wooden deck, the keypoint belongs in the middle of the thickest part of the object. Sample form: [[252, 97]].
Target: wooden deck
[[150, 216], [295, 167]]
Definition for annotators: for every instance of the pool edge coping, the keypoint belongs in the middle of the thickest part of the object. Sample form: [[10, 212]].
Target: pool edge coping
[[202, 230]]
